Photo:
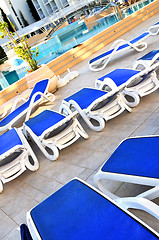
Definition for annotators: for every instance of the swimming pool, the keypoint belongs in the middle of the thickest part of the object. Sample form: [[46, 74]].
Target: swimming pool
[[70, 36], [74, 34]]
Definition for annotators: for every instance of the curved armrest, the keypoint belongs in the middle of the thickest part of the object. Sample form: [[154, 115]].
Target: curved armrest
[[49, 95], [3, 114], [120, 42], [33, 100], [154, 30], [140, 203], [16, 102]]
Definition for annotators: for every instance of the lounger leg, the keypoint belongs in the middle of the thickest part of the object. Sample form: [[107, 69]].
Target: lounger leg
[[140, 203], [53, 149], [31, 166], [98, 183], [150, 194], [135, 96], [86, 116], [81, 130]]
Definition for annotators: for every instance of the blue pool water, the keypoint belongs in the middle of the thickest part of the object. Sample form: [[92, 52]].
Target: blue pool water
[[72, 35]]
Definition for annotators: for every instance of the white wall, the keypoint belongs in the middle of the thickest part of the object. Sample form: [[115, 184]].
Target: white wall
[[24, 8], [18, 5]]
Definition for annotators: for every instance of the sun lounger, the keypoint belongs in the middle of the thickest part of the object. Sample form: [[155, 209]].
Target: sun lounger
[[133, 84], [134, 161], [100, 62], [147, 60], [39, 92], [53, 131], [15, 154], [79, 211], [96, 105]]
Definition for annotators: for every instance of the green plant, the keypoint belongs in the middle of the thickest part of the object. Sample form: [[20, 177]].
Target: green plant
[[20, 45]]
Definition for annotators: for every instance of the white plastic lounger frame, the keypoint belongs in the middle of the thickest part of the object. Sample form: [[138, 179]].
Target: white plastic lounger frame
[[122, 204], [101, 63], [141, 63], [60, 140], [68, 77], [131, 88], [139, 46], [107, 112], [17, 165], [154, 30], [142, 200]]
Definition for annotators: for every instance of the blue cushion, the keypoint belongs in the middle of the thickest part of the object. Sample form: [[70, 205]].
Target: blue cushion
[[136, 156], [76, 212], [43, 121], [120, 48], [156, 23], [143, 35], [39, 87], [9, 140], [85, 97], [100, 56], [120, 76], [150, 55]]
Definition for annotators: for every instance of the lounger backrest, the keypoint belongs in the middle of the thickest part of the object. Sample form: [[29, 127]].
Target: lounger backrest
[[39, 87], [156, 23]]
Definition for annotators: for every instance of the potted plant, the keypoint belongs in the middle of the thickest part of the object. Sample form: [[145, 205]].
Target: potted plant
[[24, 51]]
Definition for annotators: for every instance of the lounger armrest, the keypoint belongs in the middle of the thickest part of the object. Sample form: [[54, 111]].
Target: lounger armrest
[[16, 102], [49, 95], [3, 114], [154, 30], [136, 45], [33, 100], [140, 203]]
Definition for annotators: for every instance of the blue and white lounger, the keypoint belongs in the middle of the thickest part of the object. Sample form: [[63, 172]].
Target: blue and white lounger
[[78, 211], [39, 92], [94, 104], [133, 83], [15, 154], [53, 131], [147, 60], [136, 160], [100, 62]]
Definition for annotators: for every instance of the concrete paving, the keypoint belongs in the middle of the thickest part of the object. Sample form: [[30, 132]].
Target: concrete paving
[[83, 158]]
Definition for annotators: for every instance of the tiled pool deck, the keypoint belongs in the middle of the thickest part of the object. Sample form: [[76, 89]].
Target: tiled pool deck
[[84, 157]]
